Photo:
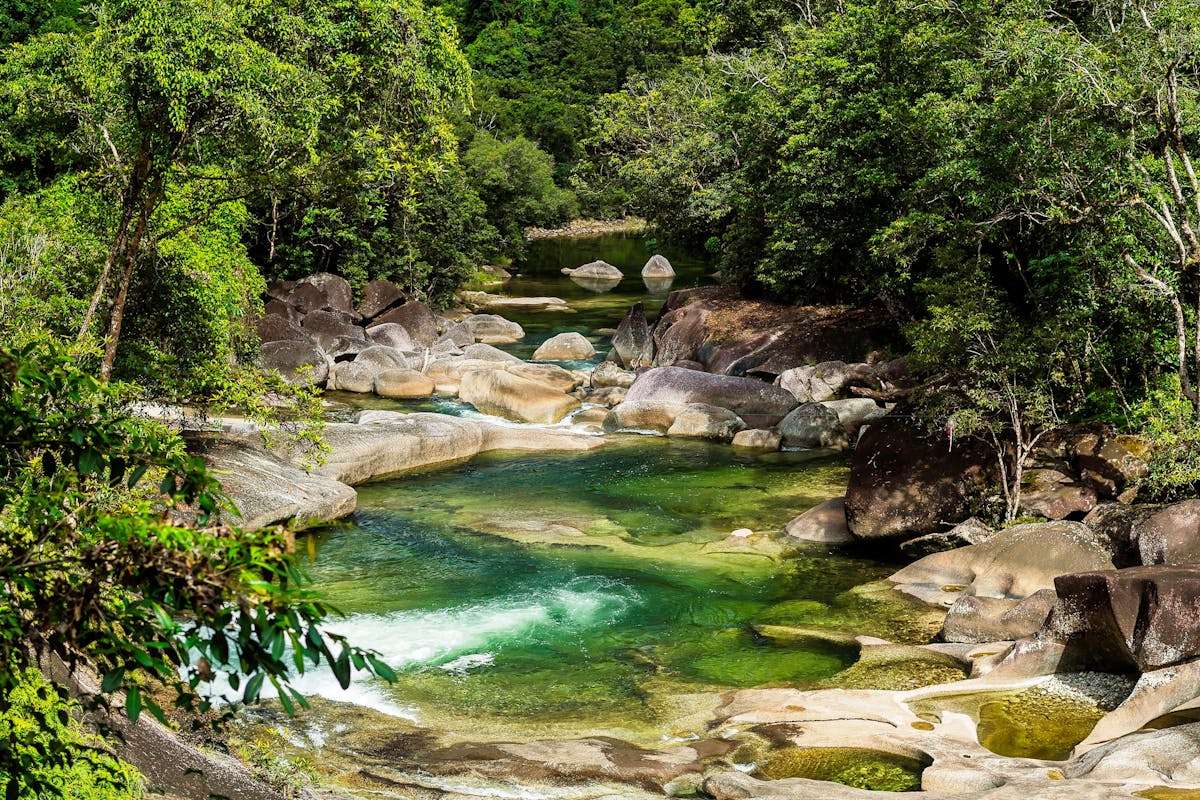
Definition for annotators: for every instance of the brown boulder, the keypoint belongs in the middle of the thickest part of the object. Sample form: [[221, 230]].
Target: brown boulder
[[824, 523], [334, 290], [275, 328], [1170, 535], [706, 422], [378, 297], [1141, 618], [508, 395], [416, 318], [906, 481], [403, 384], [326, 326]]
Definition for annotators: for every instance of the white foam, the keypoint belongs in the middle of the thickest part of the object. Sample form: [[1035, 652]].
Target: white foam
[[461, 638]]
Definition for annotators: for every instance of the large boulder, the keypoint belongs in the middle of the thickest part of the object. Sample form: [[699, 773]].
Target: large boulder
[[565, 347], [974, 619], [854, 412], [392, 335], [1140, 618], [508, 395], [906, 481], [550, 375], [325, 327], [353, 376], [416, 318], [658, 267], [382, 357], [813, 425], [643, 415], [334, 290], [815, 383], [1051, 493], [1013, 564], [269, 491], [485, 352], [378, 297], [824, 523], [1170, 535], [633, 344], [968, 532], [493, 329], [403, 384], [732, 335], [1111, 463], [601, 270], [758, 403], [277, 328], [706, 422], [298, 363]]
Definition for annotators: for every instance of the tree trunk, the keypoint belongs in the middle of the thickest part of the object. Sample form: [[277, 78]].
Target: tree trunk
[[130, 259]]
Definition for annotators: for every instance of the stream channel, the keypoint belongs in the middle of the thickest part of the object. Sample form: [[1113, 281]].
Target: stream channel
[[503, 628]]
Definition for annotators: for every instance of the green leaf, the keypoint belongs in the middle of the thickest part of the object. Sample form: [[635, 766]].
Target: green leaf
[[112, 680], [133, 704], [254, 687]]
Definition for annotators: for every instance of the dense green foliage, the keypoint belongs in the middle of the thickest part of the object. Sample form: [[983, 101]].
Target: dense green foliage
[[101, 561]]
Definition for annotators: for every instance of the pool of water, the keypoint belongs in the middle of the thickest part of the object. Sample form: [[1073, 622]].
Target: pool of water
[[587, 589], [539, 275]]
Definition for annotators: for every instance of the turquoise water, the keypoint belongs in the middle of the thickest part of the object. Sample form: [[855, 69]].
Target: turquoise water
[[585, 588]]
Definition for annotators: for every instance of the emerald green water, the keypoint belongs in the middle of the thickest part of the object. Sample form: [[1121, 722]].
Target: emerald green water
[[586, 588], [539, 275]]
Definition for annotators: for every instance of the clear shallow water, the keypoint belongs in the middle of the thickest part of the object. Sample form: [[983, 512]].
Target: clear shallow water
[[586, 587]]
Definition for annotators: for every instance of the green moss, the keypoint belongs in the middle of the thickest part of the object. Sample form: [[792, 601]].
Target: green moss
[[850, 766]]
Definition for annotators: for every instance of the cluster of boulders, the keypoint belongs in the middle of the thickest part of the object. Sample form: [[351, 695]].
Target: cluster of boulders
[[398, 348], [600, 276]]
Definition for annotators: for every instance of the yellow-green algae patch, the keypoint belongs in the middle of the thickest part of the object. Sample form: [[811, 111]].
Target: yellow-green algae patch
[[1168, 793], [851, 766], [1036, 723]]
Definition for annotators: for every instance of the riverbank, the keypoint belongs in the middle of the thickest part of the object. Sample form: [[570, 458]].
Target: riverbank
[[589, 227]]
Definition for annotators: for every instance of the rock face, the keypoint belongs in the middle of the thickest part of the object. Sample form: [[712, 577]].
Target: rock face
[[498, 392], [734, 336], [1013, 564], [392, 335], [607, 374], [824, 523], [633, 344], [706, 422], [813, 425], [353, 376], [1141, 618], [565, 347], [658, 267], [854, 412], [1170, 535], [299, 363], [278, 328], [759, 404], [906, 482]]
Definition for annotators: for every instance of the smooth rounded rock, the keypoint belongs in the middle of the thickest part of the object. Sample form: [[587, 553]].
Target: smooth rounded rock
[[706, 422], [508, 395], [565, 347], [403, 384], [298, 363]]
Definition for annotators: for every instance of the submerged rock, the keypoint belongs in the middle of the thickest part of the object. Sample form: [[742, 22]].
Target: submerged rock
[[824, 523]]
